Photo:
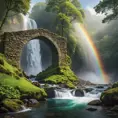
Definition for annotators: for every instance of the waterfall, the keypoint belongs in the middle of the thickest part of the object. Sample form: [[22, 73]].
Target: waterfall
[[31, 55], [63, 93]]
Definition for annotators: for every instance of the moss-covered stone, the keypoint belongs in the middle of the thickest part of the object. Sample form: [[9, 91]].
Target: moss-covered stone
[[110, 97], [13, 85], [115, 85], [13, 105], [59, 75]]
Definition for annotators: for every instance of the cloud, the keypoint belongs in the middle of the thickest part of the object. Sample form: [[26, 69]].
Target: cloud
[[91, 10]]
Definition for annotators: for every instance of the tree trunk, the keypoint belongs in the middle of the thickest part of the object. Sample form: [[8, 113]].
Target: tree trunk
[[4, 19], [62, 27]]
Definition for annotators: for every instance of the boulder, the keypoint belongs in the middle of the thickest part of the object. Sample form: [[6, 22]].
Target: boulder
[[91, 109], [115, 85], [50, 92], [33, 101], [79, 93], [100, 87], [12, 105], [110, 97], [88, 89], [36, 83], [95, 103], [3, 110]]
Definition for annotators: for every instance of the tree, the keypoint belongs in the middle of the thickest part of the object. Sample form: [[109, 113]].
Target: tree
[[109, 8], [66, 12], [14, 6]]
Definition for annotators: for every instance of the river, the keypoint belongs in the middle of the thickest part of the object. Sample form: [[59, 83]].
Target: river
[[66, 107]]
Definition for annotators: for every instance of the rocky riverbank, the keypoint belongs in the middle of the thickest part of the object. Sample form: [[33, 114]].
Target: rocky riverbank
[[16, 90]]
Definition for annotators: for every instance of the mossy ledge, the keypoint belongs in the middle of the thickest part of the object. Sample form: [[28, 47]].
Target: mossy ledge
[[110, 96], [15, 87], [58, 75]]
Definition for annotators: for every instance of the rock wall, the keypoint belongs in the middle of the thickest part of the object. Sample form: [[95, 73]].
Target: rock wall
[[12, 44]]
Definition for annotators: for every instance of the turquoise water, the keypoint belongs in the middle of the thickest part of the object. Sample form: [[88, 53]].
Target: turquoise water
[[63, 108]]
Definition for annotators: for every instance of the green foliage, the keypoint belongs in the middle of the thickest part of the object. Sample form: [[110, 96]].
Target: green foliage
[[22, 84], [13, 105], [69, 62], [109, 8], [14, 85], [8, 92], [107, 44], [66, 12], [8, 69], [14, 7], [59, 75]]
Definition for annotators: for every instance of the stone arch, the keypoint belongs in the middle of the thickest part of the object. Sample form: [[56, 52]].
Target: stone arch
[[15, 41]]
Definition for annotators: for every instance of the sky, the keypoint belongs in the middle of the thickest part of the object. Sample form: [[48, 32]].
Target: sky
[[85, 3]]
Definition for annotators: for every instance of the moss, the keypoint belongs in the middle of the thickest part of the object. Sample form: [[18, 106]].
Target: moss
[[12, 105], [13, 79], [115, 85], [7, 68], [68, 59], [59, 75], [110, 97], [22, 84]]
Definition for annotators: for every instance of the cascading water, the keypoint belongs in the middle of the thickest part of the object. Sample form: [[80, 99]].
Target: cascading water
[[63, 93], [67, 94], [31, 56]]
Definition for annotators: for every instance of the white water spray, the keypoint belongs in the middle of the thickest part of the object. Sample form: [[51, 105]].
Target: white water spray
[[91, 70], [63, 93]]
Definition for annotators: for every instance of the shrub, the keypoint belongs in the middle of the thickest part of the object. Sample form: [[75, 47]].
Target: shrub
[[8, 92]]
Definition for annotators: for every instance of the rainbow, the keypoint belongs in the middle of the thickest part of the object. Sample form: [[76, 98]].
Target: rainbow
[[101, 70]]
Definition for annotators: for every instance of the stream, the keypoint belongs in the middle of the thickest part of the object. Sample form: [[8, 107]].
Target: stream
[[66, 105]]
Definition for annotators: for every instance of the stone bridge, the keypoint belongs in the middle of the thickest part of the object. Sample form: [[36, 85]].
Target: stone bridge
[[12, 43]]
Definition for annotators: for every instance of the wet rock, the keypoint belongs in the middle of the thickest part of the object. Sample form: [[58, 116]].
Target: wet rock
[[88, 89], [100, 87], [33, 101], [95, 103], [79, 93], [115, 108], [4, 110], [26, 101], [115, 85], [30, 102], [36, 83], [110, 97], [12, 105], [91, 109], [50, 92]]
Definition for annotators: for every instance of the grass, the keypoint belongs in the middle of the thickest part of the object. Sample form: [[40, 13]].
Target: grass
[[11, 76], [22, 83]]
